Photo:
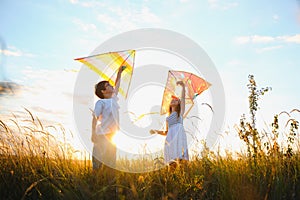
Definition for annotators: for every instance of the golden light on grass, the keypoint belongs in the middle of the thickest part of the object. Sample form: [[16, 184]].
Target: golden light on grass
[[32, 168], [116, 138], [35, 163]]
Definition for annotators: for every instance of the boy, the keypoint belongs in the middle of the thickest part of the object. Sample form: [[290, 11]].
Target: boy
[[105, 123]]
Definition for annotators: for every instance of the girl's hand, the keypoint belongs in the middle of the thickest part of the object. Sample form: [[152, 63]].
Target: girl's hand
[[152, 131], [180, 83]]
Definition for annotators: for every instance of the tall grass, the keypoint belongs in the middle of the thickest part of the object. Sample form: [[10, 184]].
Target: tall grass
[[35, 165]]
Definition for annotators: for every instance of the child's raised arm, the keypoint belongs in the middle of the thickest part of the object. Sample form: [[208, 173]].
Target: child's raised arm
[[182, 99], [118, 79]]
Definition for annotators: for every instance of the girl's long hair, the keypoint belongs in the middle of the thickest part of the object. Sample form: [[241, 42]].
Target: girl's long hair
[[177, 109]]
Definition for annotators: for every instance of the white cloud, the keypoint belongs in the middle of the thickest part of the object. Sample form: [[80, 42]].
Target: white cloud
[[267, 39], [213, 3], [230, 5], [73, 1], [291, 39], [275, 17], [261, 50], [262, 39], [242, 40], [147, 16], [13, 51], [221, 5], [46, 93], [113, 23], [116, 17], [254, 39], [120, 18], [84, 26], [10, 53], [87, 4], [109, 20]]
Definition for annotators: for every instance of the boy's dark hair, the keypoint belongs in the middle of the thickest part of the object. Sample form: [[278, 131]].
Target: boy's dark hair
[[99, 87]]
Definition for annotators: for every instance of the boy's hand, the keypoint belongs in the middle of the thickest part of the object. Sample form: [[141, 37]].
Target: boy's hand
[[152, 131]]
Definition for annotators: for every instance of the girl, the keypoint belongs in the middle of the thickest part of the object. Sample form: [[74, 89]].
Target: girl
[[176, 142]]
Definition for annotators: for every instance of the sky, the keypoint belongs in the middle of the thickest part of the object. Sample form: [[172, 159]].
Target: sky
[[241, 37]]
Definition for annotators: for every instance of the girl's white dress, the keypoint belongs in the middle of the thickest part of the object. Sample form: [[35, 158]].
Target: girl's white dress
[[176, 141]]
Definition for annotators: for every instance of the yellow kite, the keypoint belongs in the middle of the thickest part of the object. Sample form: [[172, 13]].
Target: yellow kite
[[107, 65]]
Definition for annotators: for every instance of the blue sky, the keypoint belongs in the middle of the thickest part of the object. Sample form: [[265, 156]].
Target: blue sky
[[241, 37]]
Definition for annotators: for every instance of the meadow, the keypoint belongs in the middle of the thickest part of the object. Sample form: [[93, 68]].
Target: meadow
[[36, 165]]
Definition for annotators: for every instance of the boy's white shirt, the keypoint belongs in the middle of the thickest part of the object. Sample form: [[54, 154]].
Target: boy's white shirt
[[108, 109]]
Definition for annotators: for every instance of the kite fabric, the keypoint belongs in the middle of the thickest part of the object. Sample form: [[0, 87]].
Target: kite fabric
[[106, 65], [194, 87]]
